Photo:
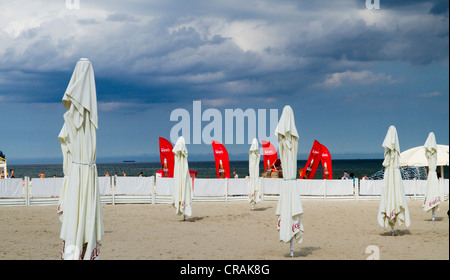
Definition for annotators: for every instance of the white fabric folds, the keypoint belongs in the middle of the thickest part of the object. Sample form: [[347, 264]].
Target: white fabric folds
[[289, 207], [435, 187], [254, 183], [80, 209], [393, 207], [182, 193]]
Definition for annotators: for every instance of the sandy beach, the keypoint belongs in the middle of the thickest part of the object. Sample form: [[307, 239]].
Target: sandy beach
[[334, 230]]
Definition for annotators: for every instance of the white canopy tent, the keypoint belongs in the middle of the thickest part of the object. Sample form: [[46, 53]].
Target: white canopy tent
[[416, 157]]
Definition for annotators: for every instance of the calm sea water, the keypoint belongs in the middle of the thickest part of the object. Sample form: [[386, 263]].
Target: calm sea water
[[205, 169]]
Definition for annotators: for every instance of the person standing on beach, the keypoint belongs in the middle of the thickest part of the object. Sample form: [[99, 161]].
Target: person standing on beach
[[352, 176], [346, 176], [300, 172]]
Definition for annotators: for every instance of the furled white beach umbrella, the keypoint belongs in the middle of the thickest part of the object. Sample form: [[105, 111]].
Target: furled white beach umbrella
[[254, 186], [182, 183], [82, 220], [393, 207], [435, 187], [289, 208]]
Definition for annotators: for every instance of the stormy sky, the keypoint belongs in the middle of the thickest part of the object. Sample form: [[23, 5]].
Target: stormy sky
[[348, 72]]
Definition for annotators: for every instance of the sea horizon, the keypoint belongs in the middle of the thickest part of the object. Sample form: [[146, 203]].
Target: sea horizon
[[191, 158], [205, 168]]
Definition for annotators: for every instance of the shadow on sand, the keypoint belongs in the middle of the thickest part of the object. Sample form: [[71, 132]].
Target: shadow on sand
[[304, 252], [192, 219], [397, 232], [261, 208], [436, 219]]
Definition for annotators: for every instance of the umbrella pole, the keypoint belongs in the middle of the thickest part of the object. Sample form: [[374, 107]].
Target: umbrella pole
[[392, 227], [253, 206], [184, 217], [292, 248], [432, 214]]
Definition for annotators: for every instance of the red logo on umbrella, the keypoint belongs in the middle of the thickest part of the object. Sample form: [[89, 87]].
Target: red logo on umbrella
[[296, 226], [392, 214], [436, 200]]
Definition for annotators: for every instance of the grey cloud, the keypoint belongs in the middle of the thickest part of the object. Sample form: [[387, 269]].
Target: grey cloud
[[440, 7], [87, 21], [121, 17], [186, 51]]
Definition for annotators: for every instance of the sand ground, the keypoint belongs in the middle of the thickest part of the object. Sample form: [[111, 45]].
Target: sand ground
[[334, 230]]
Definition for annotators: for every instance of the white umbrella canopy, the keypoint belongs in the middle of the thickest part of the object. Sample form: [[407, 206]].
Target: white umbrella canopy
[[435, 187], [82, 220], [254, 188], [182, 183], [416, 156], [289, 208], [393, 207]]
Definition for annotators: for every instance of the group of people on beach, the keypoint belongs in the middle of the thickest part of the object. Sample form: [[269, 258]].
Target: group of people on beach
[[141, 174], [7, 175], [351, 176]]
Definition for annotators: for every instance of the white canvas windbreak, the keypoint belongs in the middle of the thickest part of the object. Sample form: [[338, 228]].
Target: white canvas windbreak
[[393, 207], [435, 187], [81, 216], [254, 184], [182, 193], [289, 207]]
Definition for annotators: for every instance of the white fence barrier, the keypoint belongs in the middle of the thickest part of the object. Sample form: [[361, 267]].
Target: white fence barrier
[[105, 185], [46, 187], [216, 188], [159, 190], [133, 190], [163, 186], [11, 188], [416, 188], [321, 188], [134, 185]]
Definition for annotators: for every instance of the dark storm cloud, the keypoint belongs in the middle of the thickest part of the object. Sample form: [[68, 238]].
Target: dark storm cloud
[[166, 50], [437, 7]]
